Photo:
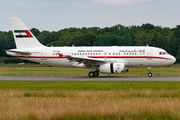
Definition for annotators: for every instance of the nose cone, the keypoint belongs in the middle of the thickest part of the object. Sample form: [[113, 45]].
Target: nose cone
[[172, 60]]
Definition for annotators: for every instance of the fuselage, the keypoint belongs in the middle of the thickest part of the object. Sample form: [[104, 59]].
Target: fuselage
[[111, 60], [142, 56]]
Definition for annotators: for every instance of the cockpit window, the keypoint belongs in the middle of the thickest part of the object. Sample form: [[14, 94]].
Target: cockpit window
[[163, 53]]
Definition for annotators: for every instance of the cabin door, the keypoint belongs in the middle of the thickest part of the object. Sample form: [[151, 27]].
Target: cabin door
[[149, 54], [43, 54]]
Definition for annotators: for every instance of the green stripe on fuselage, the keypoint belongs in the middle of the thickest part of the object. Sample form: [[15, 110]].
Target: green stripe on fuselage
[[19, 31]]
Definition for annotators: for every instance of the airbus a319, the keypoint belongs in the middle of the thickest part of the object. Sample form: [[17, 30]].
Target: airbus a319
[[110, 60]]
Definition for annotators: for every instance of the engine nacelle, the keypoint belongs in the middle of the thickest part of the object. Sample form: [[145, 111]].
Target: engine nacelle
[[113, 68]]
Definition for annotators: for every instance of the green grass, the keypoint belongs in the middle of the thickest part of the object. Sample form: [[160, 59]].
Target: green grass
[[88, 86], [63, 71]]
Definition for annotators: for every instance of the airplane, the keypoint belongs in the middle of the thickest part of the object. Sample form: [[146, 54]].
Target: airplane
[[110, 60]]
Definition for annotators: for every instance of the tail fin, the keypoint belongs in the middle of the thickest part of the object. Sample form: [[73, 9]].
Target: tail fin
[[22, 36]]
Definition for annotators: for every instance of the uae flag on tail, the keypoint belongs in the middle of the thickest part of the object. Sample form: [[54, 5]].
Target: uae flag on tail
[[22, 34]]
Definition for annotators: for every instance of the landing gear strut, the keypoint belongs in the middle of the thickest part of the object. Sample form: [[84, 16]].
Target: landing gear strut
[[94, 73], [149, 72]]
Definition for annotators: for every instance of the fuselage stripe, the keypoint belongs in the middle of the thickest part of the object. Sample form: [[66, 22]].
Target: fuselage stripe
[[102, 57]]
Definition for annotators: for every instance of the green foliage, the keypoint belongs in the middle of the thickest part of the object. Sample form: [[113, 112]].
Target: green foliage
[[118, 35], [14, 60]]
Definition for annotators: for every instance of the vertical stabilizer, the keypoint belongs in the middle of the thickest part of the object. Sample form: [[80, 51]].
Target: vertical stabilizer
[[22, 35]]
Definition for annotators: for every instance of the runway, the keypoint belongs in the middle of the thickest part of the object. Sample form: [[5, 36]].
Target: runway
[[100, 78]]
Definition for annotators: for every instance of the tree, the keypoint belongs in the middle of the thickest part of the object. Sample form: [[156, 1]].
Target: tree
[[163, 42], [103, 40], [178, 55], [177, 31], [35, 31], [143, 38], [147, 26]]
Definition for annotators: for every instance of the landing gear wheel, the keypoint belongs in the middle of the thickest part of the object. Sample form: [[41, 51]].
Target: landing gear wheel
[[91, 74], [150, 74], [96, 73]]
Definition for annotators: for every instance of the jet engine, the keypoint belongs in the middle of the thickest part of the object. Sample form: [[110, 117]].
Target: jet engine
[[113, 68]]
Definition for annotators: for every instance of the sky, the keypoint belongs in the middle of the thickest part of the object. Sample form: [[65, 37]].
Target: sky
[[54, 15]]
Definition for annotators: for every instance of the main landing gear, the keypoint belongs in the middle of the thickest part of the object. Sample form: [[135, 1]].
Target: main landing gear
[[149, 72], [94, 73]]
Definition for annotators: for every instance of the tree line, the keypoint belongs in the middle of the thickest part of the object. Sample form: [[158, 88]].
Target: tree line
[[118, 35]]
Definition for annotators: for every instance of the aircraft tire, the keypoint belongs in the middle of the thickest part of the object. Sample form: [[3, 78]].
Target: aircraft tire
[[91, 74], [96, 73], [149, 74]]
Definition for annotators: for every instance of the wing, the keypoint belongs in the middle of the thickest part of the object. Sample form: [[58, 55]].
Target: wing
[[92, 63], [83, 61]]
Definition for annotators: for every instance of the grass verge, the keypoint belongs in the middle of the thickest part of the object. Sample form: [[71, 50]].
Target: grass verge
[[64, 71], [88, 86]]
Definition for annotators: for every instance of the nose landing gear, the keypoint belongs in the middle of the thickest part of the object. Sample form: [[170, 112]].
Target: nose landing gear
[[149, 72]]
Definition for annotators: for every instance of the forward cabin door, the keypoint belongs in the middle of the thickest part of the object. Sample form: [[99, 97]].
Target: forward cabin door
[[149, 54], [43, 54]]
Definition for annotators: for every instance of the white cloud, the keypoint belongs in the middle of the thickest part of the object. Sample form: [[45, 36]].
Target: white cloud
[[116, 2]]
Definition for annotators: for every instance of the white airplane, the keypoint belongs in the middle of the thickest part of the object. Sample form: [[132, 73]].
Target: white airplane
[[114, 59]]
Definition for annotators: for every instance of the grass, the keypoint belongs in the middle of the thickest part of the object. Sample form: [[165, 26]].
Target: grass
[[91, 105], [63, 71], [89, 100], [88, 86], [54, 100]]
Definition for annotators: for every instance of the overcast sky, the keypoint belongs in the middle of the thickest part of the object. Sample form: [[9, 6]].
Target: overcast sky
[[54, 15]]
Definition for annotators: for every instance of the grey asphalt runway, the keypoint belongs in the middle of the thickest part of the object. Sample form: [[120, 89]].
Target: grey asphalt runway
[[86, 78]]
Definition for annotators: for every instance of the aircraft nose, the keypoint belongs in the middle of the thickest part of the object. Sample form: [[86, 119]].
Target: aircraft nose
[[173, 59]]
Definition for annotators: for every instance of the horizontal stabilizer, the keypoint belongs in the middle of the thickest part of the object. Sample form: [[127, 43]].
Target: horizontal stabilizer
[[18, 51]]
